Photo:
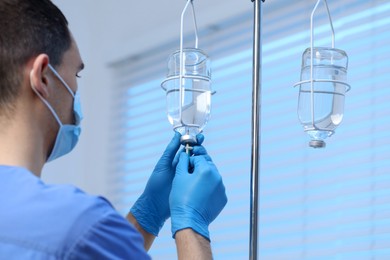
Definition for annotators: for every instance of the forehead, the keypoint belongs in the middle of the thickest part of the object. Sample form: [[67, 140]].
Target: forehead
[[71, 60]]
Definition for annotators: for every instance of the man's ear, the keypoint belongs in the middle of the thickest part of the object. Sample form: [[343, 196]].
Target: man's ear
[[39, 75]]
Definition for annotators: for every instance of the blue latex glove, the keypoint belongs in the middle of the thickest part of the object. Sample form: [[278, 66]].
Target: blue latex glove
[[152, 207], [196, 198]]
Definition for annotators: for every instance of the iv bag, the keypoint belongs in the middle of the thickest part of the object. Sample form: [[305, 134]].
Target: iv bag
[[188, 93], [322, 92]]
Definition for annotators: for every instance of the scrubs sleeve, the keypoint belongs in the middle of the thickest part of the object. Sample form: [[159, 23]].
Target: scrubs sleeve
[[112, 237]]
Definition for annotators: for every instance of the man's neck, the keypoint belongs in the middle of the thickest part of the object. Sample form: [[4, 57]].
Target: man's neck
[[20, 145]]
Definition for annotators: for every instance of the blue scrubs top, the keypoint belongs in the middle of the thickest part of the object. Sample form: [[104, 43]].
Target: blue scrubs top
[[39, 221]]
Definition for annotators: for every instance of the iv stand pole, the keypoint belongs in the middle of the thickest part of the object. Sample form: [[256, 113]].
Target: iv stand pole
[[256, 114]]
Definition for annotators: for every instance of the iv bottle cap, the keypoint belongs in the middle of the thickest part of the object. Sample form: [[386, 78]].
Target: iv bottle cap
[[188, 139], [317, 144]]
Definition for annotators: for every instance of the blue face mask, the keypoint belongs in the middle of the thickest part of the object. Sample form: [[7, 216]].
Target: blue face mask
[[67, 135]]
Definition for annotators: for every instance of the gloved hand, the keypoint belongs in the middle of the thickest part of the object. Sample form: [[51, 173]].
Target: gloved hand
[[152, 207], [196, 198]]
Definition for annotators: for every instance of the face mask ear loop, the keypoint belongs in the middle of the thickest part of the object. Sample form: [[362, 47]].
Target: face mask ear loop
[[44, 101], [62, 81]]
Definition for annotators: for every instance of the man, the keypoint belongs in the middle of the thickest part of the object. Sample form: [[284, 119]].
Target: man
[[40, 121]]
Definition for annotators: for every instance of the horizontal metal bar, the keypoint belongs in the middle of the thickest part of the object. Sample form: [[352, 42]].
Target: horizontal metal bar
[[187, 125], [324, 80]]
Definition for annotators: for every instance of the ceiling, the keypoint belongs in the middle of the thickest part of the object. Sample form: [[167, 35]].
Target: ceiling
[[137, 26]]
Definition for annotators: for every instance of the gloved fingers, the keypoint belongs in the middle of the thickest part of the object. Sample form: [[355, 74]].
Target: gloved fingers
[[183, 164], [172, 147], [177, 157], [208, 158], [203, 163], [200, 138], [199, 150], [196, 150]]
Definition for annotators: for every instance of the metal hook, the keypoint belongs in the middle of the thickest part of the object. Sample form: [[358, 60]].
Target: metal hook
[[311, 23], [181, 92], [182, 24], [312, 50]]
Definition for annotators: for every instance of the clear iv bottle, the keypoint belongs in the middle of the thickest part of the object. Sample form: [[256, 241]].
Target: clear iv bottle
[[188, 103], [321, 105]]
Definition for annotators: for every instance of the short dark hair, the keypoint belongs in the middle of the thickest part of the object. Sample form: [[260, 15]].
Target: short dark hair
[[27, 29]]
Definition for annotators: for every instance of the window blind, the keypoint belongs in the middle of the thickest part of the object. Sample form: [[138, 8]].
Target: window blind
[[331, 203]]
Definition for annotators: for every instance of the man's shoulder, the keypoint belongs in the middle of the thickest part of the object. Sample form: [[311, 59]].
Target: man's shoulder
[[29, 194], [32, 211]]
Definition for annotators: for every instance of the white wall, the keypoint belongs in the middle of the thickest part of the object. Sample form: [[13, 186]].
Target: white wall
[[108, 31]]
